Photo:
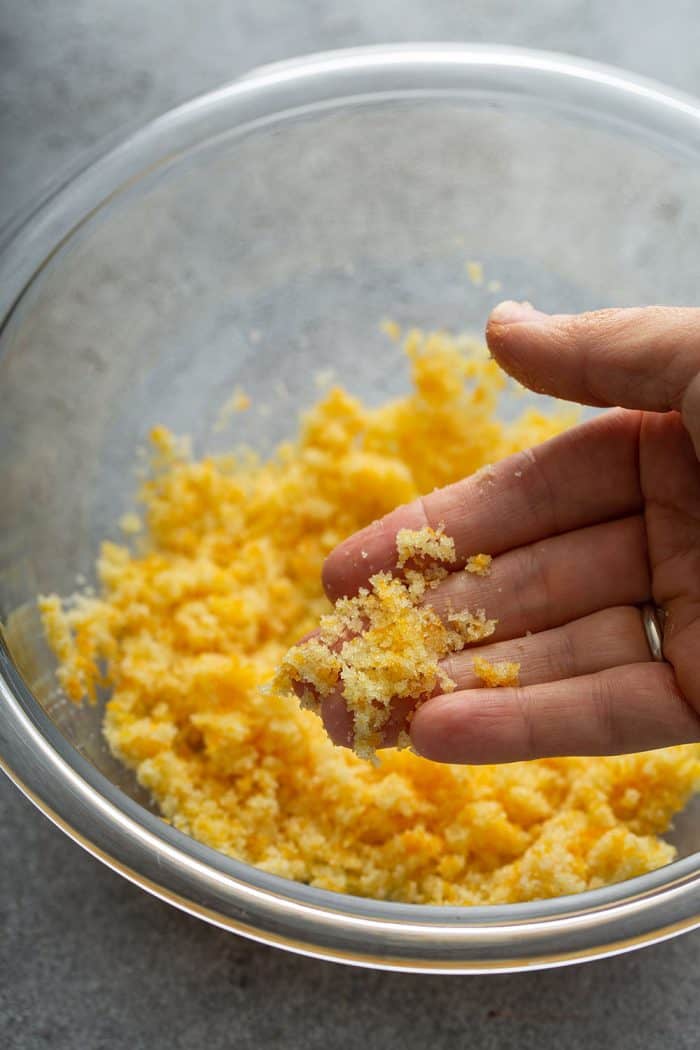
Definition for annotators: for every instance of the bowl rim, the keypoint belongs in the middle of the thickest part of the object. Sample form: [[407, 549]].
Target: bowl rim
[[140, 845]]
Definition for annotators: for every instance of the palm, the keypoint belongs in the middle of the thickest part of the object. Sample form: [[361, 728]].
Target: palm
[[584, 529]]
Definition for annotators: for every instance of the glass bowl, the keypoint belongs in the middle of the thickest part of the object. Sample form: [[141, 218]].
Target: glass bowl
[[262, 232]]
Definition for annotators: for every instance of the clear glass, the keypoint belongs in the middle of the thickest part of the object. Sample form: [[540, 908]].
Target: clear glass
[[264, 231]]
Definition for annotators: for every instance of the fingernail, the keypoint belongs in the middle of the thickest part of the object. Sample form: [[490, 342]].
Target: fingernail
[[510, 312]]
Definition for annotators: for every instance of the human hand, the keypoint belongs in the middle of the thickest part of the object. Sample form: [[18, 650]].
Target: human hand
[[584, 529]]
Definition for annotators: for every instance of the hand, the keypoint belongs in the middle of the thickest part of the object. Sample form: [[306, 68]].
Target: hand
[[584, 529]]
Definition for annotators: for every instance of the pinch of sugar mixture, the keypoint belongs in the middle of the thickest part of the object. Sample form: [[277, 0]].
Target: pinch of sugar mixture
[[198, 612], [385, 643], [496, 673]]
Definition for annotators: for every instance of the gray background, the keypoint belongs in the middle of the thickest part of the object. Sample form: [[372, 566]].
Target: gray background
[[86, 960]]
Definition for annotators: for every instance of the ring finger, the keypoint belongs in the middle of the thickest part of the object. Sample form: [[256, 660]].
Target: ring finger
[[609, 638]]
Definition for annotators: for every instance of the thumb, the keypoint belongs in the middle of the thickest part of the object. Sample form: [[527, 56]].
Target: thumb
[[644, 358]]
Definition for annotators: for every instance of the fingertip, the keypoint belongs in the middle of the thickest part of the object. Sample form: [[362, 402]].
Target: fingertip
[[341, 576], [472, 727], [508, 326], [329, 576], [431, 730], [519, 338], [512, 312], [349, 566], [337, 720], [373, 549]]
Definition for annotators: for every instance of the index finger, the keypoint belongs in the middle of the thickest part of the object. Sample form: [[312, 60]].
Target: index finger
[[585, 475]]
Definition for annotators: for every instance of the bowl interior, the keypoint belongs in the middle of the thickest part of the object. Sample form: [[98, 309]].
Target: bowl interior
[[262, 257]]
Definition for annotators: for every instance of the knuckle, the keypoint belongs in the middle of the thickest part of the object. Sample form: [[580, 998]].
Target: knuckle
[[603, 704], [541, 497], [529, 723], [535, 591], [567, 661]]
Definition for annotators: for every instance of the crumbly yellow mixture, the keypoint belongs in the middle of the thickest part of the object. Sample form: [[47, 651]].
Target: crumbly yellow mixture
[[479, 564], [386, 642], [475, 272], [239, 401], [226, 576], [496, 673]]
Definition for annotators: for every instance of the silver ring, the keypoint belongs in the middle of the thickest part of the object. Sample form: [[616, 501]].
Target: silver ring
[[653, 621]]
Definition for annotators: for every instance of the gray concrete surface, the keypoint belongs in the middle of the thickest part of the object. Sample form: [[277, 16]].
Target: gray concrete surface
[[87, 960]]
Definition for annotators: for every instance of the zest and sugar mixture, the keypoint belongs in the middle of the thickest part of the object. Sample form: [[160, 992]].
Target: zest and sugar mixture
[[196, 614]]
